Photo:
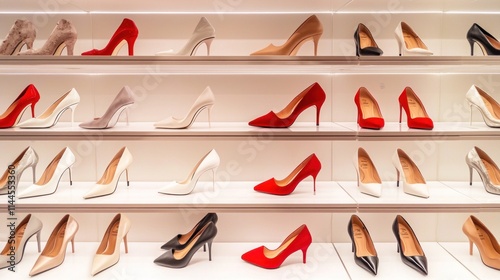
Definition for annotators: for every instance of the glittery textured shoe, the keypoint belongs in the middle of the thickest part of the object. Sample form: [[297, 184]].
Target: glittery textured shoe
[[63, 36], [22, 33]]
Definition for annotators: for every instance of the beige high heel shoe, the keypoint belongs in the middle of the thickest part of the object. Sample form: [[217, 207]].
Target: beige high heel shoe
[[486, 243], [108, 253], [310, 29], [55, 250], [63, 36], [22, 33]]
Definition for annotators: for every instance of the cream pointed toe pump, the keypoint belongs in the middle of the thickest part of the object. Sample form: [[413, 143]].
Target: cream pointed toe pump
[[27, 158], [109, 180], [413, 181], [210, 161], [108, 253], [409, 42], [368, 179], [203, 33]]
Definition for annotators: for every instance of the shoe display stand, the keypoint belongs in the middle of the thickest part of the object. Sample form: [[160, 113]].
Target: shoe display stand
[[246, 87]]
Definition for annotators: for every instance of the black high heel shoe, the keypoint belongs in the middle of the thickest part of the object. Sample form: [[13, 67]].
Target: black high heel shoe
[[364, 251], [365, 44], [181, 258], [408, 246], [180, 241], [487, 42]]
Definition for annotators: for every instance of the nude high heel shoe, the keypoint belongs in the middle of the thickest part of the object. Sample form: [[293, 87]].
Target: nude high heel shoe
[[486, 168], [108, 253], [368, 179], [310, 29], [205, 100], [50, 117], [109, 180], [27, 158], [48, 183], [413, 181], [55, 249], [63, 36], [485, 241], [28, 227], [408, 41], [210, 161], [122, 102], [22, 33], [203, 33], [487, 106]]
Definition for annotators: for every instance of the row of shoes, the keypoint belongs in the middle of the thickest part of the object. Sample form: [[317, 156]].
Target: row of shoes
[[52, 256]]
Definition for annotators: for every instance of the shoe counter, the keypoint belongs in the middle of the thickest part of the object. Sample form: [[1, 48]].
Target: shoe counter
[[280, 154]]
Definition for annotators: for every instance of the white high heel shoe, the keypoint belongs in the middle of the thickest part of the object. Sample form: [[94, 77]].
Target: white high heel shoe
[[489, 107], [413, 181], [210, 161], [109, 180], [408, 41], [368, 179], [28, 158], [50, 117], [203, 33], [205, 100], [47, 184], [108, 253]]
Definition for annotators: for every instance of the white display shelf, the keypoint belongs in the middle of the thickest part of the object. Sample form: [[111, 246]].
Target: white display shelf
[[322, 263], [441, 264], [141, 130], [460, 250], [227, 196], [441, 199], [477, 192]]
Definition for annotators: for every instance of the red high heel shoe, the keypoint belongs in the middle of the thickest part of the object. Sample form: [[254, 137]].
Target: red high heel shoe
[[314, 95], [415, 112], [309, 167], [369, 115], [13, 114], [300, 239], [126, 32]]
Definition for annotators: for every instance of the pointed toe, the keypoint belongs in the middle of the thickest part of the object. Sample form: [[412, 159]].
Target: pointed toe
[[419, 263], [369, 263]]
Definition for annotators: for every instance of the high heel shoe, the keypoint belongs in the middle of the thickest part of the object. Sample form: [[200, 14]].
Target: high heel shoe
[[29, 96], [413, 181], [27, 158], [108, 253], [180, 241], [63, 36], [48, 183], [487, 106], [310, 29], [127, 32], [22, 33], [408, 246], [369, 115], [365, 254], [416, 116], [408, 41], [313, 95], [13, 251], [485, 241], [203, 33], [309, 167], [368, 179], [181, 258], [488, 43], [486, 168], [123, 100], [365, 44], [205, 100], [109, 180], [299, 239], [55, 249], [210, 161], [50, 117]]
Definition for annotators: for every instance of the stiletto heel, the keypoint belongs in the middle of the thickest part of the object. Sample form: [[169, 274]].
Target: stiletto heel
[[70, 179], [300, 239], [304, 253], [208, 43], [471, 43], [310, 29], [209, 249], [33, 110], [365, 253], [27, 158], [180, 241], [470, 176], [409, 42], [471, 248], [39, 240], [130, 44], [63, 35], [209, 162], [203, 33], [486, 168], [49, 181], [126, 174], [487, 105], [488, 43], [400, 113], [28, 97], [213, 179], [125, 243], [485, 242], [21, 33], [33, 171], [416, 115], [73, 244], [397, 177], [205, 100], [126, 32], [73, 108], [408, 245], [413, 181], [313, 95], [308, 167]]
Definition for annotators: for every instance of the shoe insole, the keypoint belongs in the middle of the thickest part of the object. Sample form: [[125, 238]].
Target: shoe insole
[[54, 245], [365, 40], [409, 244], [185, 237], [180, 254], [416, 110], [369, 109], [492, 107], [288, 110], [412, 42], [271, 254], [109, 173], [49, 171], [110, 240], [487, 243], [493, 42], [291, 176], [52, 107], [363, 242], [367, 172], [493, 172], [411, 172], [17, 239]]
